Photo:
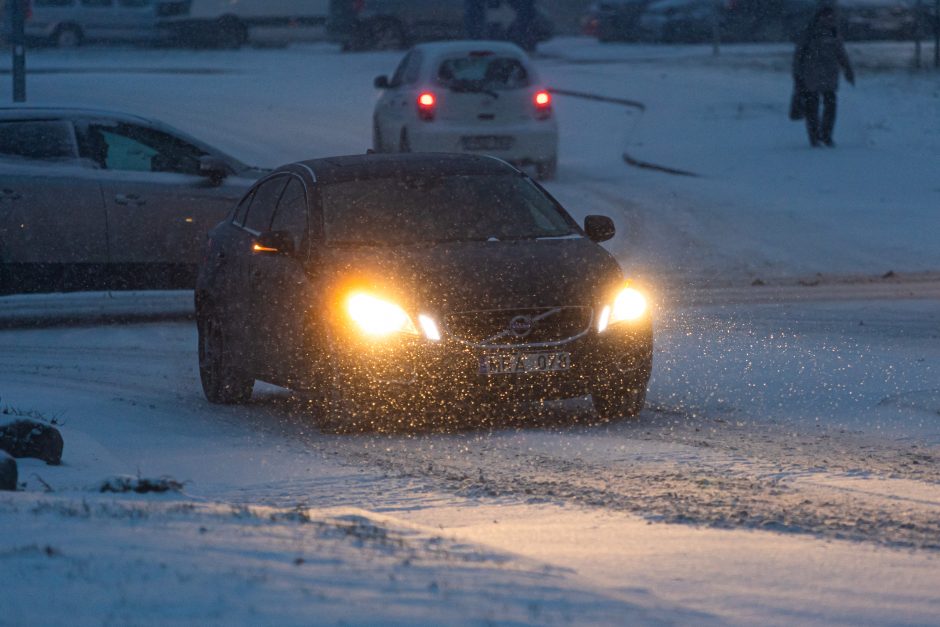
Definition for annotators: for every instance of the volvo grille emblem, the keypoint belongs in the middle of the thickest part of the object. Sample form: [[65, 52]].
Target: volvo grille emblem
[[521, 326]]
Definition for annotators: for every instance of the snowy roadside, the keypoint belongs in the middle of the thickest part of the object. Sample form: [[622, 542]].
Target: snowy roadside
[[88, 560], [34, 310]]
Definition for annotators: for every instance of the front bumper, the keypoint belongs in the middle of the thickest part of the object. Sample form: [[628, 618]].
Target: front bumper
[[414, 370]]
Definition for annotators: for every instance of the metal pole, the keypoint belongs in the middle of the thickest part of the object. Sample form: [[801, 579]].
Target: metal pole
[[18, 42], [716, 28], [918, 16], [936, 34]]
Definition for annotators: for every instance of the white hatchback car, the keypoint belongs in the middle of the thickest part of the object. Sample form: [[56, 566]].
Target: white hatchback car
[[479, 97]]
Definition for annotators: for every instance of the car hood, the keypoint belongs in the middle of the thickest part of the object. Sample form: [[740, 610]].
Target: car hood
[[468, 276]]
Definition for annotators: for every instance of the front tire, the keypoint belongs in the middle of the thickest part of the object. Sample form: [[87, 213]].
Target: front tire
[[222, 382]]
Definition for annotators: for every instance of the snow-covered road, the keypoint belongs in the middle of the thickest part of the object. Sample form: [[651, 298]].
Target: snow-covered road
[[801, 436]]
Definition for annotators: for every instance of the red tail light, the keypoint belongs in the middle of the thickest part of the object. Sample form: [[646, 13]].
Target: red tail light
[[427, 102], [543, 104]]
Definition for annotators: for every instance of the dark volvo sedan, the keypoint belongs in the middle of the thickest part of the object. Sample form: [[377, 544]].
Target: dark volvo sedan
[[417, 281]]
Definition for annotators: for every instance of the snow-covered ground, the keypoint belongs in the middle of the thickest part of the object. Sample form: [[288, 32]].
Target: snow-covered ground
[[786, 471]]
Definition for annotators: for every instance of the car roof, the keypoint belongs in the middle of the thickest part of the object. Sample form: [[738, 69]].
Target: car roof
[[372, 166], [466, 46], [12, 113]]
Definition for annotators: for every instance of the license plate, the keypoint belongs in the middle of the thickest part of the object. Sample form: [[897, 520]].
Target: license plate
[[487, 142], [524, 363]]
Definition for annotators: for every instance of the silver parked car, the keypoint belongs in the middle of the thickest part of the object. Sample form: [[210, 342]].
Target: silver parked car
[[69, 23], [93, 199]]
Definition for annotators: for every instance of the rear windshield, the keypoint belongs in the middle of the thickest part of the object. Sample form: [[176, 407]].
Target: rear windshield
[[435, 209], [40, 140], [483, 72]]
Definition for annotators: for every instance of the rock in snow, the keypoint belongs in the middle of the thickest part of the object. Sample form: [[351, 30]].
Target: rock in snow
[[8, 473], [29, 438]]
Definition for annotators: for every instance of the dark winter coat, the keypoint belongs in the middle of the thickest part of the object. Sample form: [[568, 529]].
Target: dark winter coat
[[819, 56]]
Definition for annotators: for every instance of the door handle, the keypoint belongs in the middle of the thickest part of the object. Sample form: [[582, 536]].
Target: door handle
[[132, 200], [9, 194]]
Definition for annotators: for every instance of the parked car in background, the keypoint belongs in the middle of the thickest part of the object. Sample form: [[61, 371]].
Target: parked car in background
[[468, 96], [70, 23], [397, 24], [415, 282], [878, 19], [230, 24], [614, 20], [679, 21], [101, 199]]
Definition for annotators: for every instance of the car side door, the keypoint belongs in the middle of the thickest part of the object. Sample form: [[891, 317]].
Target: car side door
[[257, 222], [159, 206], [396, 108], [278, 286], [51, 210], [135, 20]]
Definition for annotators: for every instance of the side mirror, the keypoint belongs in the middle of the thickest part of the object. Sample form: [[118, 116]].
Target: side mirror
[[273, 243], [381, 82], [599, 228], [213, 169]]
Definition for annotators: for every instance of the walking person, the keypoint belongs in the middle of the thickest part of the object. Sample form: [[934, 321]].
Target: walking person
[[820, 55]]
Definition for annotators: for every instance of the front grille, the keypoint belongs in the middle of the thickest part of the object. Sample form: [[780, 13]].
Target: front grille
[[516, 327]]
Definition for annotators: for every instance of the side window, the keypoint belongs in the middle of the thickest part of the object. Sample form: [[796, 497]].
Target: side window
[[135, 4], [263, 203], [398, 77], [238, 216], [413, 69], [96, 3], [41, 140], [53, 3], [291, 214], [131, 148]]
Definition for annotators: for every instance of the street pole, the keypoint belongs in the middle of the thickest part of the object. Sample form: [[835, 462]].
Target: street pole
[[18, 42], [716, 28], [936, 34]]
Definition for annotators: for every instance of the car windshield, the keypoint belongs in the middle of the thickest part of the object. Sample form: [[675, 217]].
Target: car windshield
[[441, 208], [482, 72]]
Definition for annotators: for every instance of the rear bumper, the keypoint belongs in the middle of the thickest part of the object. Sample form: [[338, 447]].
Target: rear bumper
[[532, 141]]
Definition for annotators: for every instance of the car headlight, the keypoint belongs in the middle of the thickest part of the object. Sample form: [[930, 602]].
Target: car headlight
[[378, 317], [629, 305]]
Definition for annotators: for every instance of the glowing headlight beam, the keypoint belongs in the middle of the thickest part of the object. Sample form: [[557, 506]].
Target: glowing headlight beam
[[629, 305], [603, 320], [429, 326], [377, 317]]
